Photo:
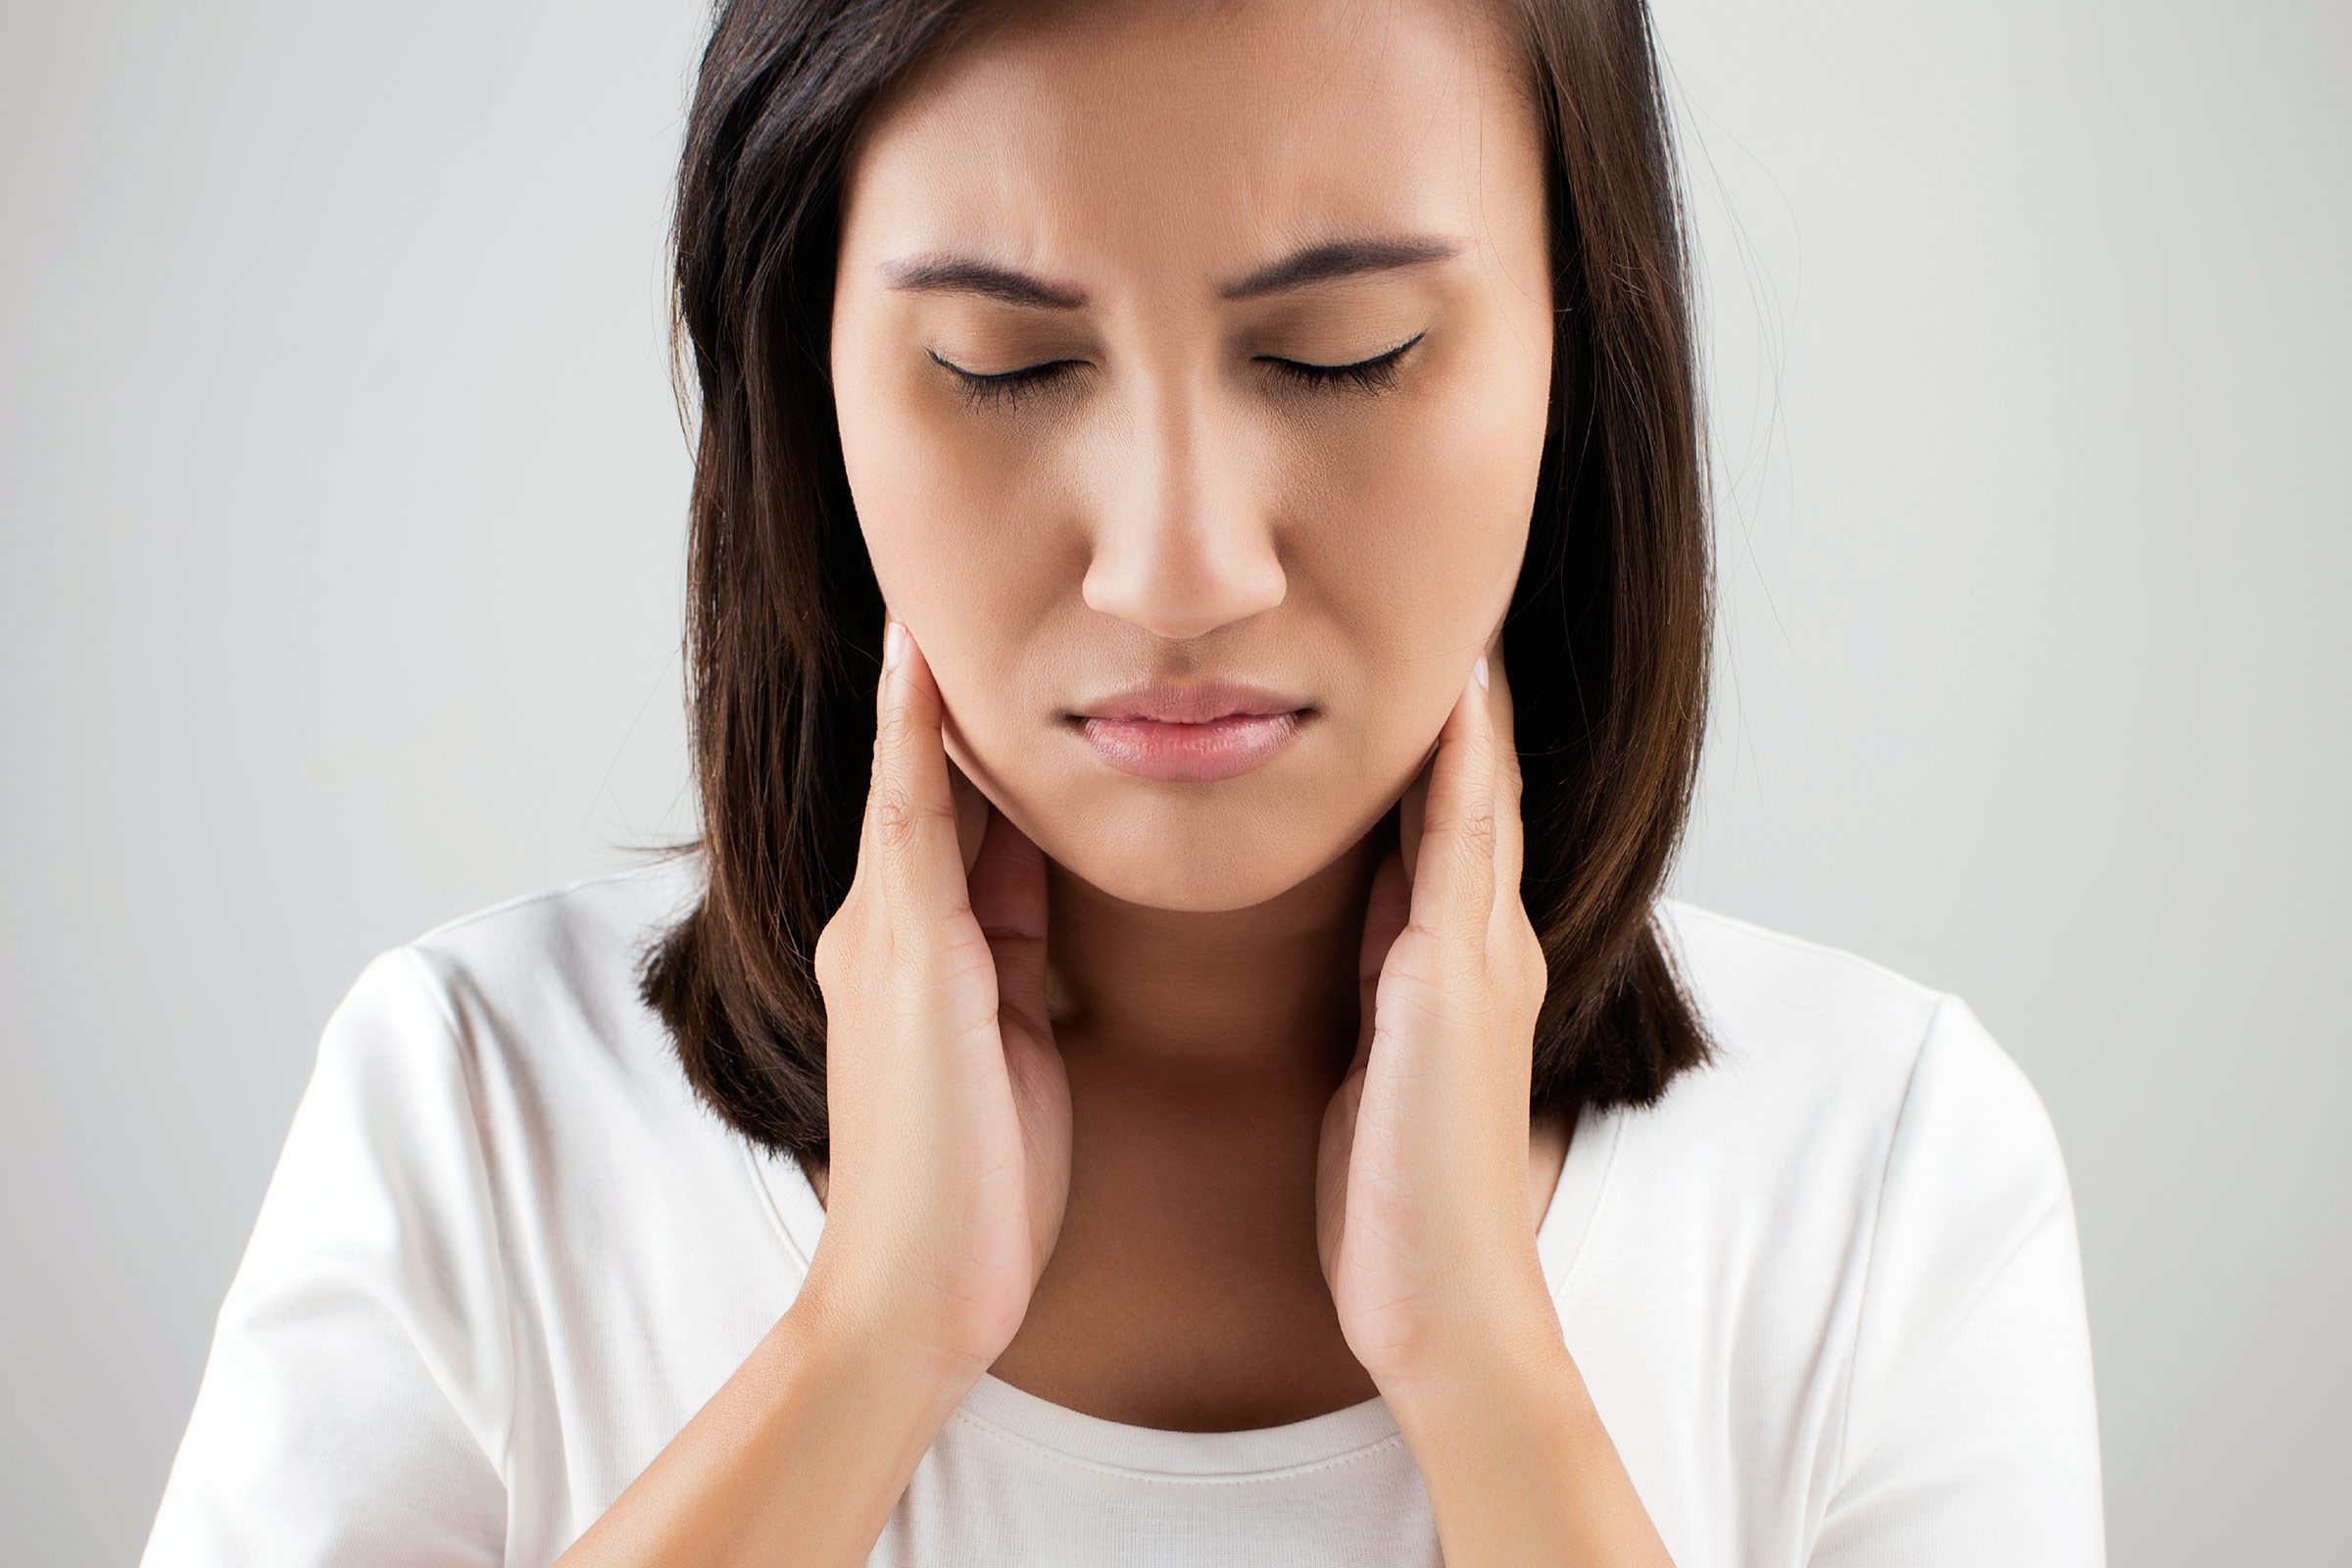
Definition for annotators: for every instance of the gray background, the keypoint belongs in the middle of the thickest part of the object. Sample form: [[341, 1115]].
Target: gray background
[[342, 502]]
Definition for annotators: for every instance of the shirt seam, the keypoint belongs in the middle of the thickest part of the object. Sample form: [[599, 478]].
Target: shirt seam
[[498, 1250], [2051, 1213], [1805, 945], [1878, 1207], [522, 900], [1571, 1270], [1173, 1477], [768, 1205]]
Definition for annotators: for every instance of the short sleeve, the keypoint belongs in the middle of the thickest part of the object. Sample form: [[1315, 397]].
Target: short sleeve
[[354, 1404], [1970, 1433]]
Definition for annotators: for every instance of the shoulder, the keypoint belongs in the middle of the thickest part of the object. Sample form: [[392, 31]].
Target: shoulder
[[553, 972], [1866, 1198], [509, 1046], [574, 930], [1776, 991], [1823, 1021], [1837, 1072], [515, 1024]]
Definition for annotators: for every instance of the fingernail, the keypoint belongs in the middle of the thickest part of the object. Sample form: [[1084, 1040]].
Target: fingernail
[[893, 644], [1479, 669]]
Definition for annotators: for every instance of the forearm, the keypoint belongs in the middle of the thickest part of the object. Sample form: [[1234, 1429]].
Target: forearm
[[1519, 1468], [796, 1463]]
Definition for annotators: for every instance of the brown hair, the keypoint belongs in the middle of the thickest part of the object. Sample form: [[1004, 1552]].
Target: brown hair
[[1608, 637]]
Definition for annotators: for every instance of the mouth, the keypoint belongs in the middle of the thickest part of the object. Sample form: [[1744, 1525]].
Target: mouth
[[1202, 751], [1193, 701], [1190, 731]]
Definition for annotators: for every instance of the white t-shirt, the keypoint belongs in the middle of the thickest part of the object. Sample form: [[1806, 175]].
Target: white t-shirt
[[1827, 1295]]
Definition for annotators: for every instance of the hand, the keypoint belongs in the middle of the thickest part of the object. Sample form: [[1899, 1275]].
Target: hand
[[948, 1102], [1422, 1208]]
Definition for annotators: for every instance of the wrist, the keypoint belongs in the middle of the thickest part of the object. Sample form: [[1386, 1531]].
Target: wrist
[[859, 1339], [1453, 1374]]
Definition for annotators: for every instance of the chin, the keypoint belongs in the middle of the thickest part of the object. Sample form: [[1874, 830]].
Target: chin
[[1198, 865], [1155, 866]]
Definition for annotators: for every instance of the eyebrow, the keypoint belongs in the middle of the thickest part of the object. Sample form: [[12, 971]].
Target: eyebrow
[[937, 273]]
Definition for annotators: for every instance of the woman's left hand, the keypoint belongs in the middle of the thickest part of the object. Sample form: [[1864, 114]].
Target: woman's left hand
[[1423, 1213]]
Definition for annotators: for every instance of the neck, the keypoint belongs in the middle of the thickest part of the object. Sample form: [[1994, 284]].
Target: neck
[[1230, 998]]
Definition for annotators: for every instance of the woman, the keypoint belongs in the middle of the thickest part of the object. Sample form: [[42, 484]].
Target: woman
[[1216, 1080]]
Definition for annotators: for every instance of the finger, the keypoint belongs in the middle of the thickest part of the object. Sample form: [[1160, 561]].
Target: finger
[[1510, 828], [1454, 878], [1411, 811], [908, 836], [971, 815], [1008, 900]]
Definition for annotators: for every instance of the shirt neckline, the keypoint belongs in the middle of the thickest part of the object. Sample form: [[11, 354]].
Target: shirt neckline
[[1008, 1410]]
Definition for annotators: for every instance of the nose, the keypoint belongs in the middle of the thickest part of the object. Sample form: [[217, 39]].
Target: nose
[[1180, 549]]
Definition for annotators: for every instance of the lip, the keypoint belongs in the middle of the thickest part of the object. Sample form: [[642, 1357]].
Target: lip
[[1189, 733], [1190, 753], [1191, 702]]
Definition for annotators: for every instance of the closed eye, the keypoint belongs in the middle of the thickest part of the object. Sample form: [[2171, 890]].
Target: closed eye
[[1373, 375]]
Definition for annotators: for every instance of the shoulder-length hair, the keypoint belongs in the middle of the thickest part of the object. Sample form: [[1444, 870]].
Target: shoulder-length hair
[[1607, 638]]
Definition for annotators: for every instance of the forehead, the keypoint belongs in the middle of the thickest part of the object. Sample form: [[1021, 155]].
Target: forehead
[[1165, 145]]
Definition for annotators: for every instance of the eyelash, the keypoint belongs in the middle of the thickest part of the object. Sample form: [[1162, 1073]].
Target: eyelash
[[1374, 375]]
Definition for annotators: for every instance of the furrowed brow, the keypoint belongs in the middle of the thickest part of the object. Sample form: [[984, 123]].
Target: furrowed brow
[[933, 273], [1341, 258], [1325, 262]]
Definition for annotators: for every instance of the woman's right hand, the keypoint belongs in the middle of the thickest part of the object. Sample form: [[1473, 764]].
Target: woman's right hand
[[948, 1103]]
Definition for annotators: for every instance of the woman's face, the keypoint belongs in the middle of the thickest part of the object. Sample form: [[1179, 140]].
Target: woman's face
[[1167, 503]]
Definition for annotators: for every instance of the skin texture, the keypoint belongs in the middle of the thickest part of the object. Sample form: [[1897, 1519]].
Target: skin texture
[[1172, 507]]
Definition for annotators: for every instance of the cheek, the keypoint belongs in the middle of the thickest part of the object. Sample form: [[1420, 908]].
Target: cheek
[[932, 505], [903, 484], [929, 501], [1417, 564], [1429, 571]]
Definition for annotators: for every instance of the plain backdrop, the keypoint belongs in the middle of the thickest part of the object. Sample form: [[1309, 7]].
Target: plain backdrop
[[343, 504]]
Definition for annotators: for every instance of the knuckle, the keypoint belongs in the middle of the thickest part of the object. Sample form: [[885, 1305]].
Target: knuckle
[[891, 726], [894, 817], [897, 818], [1473, 830]]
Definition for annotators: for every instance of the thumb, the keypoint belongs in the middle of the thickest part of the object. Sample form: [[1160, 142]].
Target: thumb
[[1386, 908]]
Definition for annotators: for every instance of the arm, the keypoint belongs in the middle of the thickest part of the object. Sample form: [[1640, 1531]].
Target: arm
[[1969, 1432], [354, 1404], [1519, 1468], [799, 1458], [1970, 1428]]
